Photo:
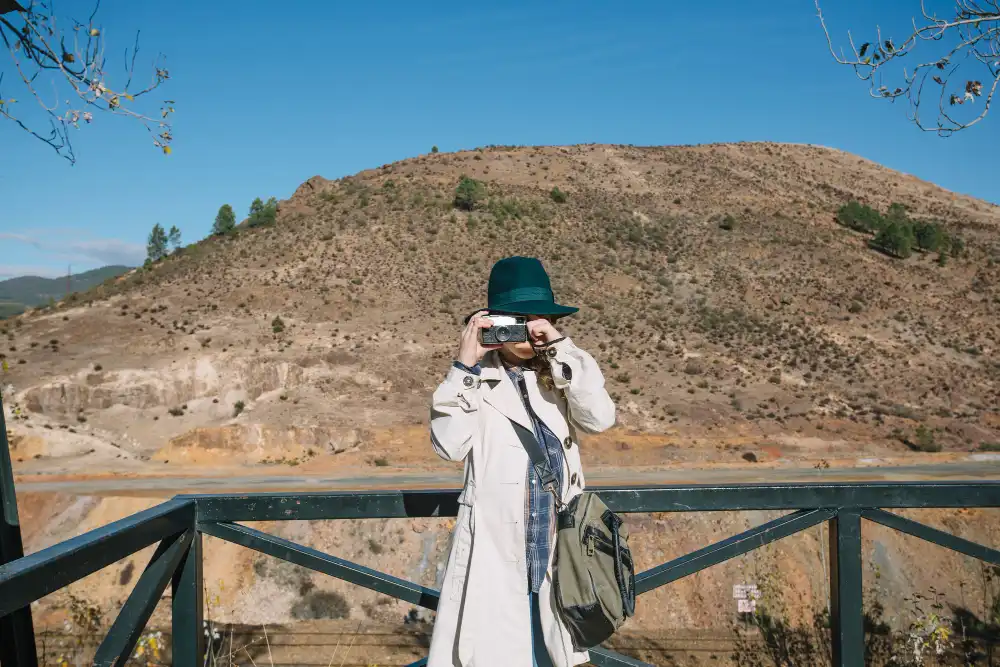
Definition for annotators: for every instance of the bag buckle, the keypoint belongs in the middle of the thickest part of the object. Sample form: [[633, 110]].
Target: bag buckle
[[591, 543], [549, 486]]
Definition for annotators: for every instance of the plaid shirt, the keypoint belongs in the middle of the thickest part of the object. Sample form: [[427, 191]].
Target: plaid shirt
[[539, 507]]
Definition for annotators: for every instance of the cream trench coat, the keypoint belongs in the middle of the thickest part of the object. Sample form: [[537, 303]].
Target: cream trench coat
[[483, 616]]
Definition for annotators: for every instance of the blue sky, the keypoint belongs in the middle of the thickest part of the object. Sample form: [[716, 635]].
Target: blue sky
[[268, 95]]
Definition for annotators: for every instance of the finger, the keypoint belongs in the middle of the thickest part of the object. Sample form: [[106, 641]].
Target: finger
[[485, 323], [473, 323], [491, 347]]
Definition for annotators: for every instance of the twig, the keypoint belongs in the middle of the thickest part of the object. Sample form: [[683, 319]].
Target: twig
[[267, 641], [335, 650], [975, 28], [353, 637]]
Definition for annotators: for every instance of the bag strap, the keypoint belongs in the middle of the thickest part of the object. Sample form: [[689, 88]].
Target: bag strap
[[539, 461], [625, 579]]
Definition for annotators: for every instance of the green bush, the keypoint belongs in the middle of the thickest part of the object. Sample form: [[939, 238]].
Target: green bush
[[860, 217], [929, 236], [728, 223], [558, 196], [277, 324], [895, 239], [469, 193], [434, 149], [924, 440], [320, 605], [262, 213]]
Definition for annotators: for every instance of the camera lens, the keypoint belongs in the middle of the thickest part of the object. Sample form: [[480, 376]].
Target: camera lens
[[503, 334]]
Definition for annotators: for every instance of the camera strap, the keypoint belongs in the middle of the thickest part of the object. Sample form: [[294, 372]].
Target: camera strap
[[544, 345]]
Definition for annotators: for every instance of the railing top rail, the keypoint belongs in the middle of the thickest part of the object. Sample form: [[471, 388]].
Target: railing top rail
[[36, 575], [641, 498]]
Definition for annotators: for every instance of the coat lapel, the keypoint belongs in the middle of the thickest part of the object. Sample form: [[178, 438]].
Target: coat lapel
[[501, 392]]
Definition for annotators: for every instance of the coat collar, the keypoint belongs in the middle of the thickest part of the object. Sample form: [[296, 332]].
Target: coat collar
[[501, 392]]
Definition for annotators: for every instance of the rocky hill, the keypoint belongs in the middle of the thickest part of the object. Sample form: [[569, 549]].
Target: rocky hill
[[718, 291], [738, 323]]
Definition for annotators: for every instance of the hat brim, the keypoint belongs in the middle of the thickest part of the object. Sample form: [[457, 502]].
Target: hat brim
[[544, 308]]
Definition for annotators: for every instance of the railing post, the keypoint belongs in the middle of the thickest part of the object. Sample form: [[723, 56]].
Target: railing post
[[847, 628], [17, 633], [188, 632]]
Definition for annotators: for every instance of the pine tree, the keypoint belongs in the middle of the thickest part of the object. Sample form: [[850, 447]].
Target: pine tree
[[468, 193], [256, 207], [156, 245], [929, 235], [895, 239], [860, 217], [261, 213], [174, 237], [225, 220]]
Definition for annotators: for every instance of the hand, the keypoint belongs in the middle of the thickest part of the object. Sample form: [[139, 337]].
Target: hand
[[542, 331], [470, 350]]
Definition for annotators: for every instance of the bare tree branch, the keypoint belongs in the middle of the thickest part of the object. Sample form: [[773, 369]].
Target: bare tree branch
[[972, 39], [73, 61]]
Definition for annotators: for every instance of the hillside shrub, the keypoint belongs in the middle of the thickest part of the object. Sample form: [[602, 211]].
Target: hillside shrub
[[860, 217], [262, 213], [924, 441], [895, 239], [728, 223], [469, 193], [321, 604], [558, 196], [929, 236]]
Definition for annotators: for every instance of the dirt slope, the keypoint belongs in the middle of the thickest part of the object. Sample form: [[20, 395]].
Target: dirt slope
[[785, 335]]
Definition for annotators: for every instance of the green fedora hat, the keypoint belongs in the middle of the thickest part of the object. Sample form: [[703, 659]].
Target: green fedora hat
[[520, 286]]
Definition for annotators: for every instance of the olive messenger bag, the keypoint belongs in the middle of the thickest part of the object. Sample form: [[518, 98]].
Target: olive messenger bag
[[593, 574]]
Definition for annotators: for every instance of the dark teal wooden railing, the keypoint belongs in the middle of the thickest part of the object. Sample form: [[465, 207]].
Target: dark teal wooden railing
[[178, 525]]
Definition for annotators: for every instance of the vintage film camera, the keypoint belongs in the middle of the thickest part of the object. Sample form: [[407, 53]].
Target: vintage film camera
[[505, 329]]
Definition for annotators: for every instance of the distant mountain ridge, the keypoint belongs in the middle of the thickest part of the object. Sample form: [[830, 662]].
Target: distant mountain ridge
[[23, 292]]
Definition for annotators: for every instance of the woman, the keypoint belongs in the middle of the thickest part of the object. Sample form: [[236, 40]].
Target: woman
[[497, 605]]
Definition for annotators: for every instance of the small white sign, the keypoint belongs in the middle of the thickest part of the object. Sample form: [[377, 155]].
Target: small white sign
[[746, 606], [745, 592]]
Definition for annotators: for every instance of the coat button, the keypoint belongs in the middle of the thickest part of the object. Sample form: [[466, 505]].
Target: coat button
[[551, 352], [468, 381], [568, 442], [573, 478]]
